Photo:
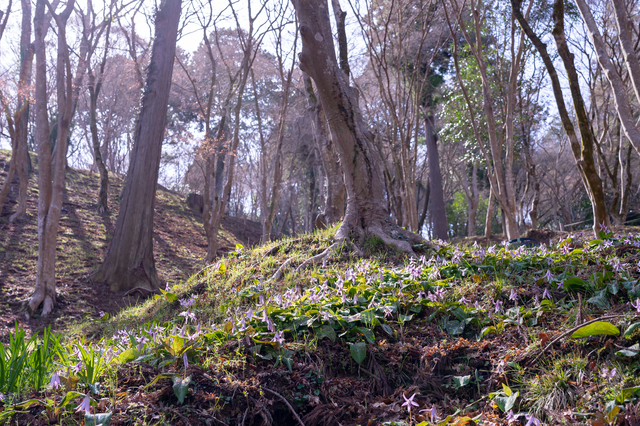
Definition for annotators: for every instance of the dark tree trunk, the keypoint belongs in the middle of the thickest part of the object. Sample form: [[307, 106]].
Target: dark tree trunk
[[361, 164], [129, 262], [438, 211]]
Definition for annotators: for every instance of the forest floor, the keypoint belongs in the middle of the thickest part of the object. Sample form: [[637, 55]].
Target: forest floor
[[179, 248], [465, 333]]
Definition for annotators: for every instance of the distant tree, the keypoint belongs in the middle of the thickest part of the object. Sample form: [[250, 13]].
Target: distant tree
[[129, 262]]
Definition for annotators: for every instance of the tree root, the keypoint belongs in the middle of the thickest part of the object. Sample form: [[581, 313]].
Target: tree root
[[286, 402], [280, 272], [44, 297], [273, 250]]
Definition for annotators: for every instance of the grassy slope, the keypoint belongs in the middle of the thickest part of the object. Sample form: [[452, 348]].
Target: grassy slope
[[179, 247], [452, 329], [485, 328]]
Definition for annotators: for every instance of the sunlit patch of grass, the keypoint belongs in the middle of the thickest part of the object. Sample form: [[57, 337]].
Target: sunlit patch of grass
[[559, 387]]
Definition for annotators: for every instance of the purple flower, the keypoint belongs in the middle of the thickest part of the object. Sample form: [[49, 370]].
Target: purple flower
[[270, 325], [463, 300], [510, 416], [615, 264], [560, 285], [546, 294], [388, 311], [637, 305], [603, 227], [608, 244], [76, 368], [85, 405], [548, 276], [185, 360], [55, 381], [278, 337], [409, 402], [532, 421], [433, 414], [355, 299], [513, 295], [498, 305], [188, 315]]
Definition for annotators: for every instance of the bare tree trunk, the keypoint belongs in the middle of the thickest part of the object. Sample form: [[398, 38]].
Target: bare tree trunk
[[582, 151], [360, 161], [129, 262], [438, 211], [625, 35], [95, 86], [333, 209], [489, 217], [277, 161], [50, 179], [615, 81], [19, 158]]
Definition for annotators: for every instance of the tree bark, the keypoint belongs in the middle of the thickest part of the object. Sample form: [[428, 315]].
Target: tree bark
[[583, 150], [129, 262], [51, 173], [333, 209], [19, 157], [361, 164], [488, 222], [438, 211], [615, 81]]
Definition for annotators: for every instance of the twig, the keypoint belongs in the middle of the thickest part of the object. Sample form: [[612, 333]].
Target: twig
[[286, 402], [219, 421], [574, 329]]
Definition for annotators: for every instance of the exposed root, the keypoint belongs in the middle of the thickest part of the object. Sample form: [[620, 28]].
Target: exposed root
[[280, 272], [401, 245], [44, 297], [318, 258], [144, 291], [286, 402]]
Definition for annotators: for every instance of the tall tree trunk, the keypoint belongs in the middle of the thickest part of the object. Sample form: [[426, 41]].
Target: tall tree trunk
[[51, 173], [582, 150], [19, 158], [438, 211], [333, 209], [488, 222], [615, 81], [129, 262], [361, 163]]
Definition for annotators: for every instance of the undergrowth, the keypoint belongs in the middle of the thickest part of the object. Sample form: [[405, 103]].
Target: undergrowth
[[455, 335]]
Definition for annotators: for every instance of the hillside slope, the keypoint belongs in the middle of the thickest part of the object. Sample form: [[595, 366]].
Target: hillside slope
[[179, 247]]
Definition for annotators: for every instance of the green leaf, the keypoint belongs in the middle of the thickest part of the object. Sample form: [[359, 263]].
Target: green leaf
[[600, 299], [596, 328], [574, 284], [627, 394], [461, 381], [128, 355], [506, 403], [387, 329], [68, 397], [180, 387], [405, 318], [487, 330], [368, 334], [630, 351], [326, 331], [222, 269], [629, 331], [507, 390], [358, 351], [100, 419]]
